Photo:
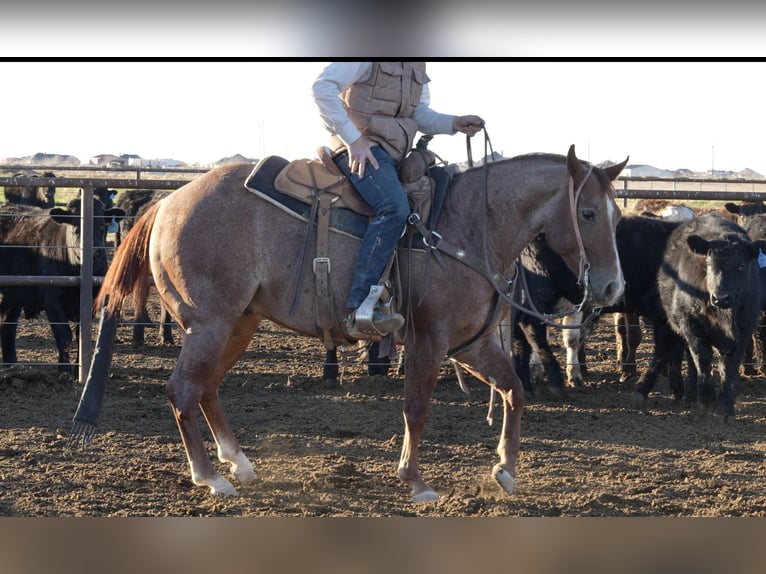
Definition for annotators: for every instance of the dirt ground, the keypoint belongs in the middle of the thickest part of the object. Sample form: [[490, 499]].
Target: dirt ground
[[323, 449]]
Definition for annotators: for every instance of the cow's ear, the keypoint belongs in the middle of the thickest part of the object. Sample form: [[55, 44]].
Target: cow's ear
[[752, 250], [697, 244], [60, 215], [732, 207], [116, 212]]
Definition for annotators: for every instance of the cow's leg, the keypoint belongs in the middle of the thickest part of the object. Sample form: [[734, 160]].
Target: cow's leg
[[702, 356], [166, 326], [330, 370], [62, 335], [487, 361], [536, 334], [574, 344], [8, 328], [377, 366], [627, 330], [759, 345], [522, 359], [749, 360], [582, 355], [690, 384], [205, 356], [139, 326], [729, 364], [667, 357]]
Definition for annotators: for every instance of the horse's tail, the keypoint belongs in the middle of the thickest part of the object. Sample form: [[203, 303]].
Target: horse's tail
[[129, 270]]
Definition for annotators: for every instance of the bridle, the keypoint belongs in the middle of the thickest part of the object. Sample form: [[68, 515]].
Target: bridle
[[583, 278]]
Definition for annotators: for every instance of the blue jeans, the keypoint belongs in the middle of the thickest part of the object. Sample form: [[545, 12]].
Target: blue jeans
[[382, 189]]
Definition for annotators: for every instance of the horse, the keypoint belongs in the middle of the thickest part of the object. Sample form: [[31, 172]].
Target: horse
[[223, 259]]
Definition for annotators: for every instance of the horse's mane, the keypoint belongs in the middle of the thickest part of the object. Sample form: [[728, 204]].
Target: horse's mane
[[540, 155], [553, 157]]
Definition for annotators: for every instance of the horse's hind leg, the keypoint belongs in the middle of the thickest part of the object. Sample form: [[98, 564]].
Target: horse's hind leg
[[228, 447], [194, 384]]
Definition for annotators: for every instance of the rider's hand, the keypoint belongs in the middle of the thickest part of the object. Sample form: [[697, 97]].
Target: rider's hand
[[359, 153], [468, 125]]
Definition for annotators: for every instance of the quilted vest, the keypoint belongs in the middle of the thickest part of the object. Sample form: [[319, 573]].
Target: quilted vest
[[381, 107]]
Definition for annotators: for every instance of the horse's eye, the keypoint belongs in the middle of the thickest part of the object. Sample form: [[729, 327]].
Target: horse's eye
[[588, 215]]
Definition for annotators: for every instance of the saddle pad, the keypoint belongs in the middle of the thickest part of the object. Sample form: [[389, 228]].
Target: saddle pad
[[261, 182]]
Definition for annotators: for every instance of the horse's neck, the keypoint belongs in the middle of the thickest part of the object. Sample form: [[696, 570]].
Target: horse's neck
[[511, 212]]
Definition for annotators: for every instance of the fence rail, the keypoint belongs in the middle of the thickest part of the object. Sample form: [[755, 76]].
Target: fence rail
[[679, 189], [86, 280]]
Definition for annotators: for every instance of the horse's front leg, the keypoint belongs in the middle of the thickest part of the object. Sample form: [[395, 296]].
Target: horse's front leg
[[421, 373], [487, 361]]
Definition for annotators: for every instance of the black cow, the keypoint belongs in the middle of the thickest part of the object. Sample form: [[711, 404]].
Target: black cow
[[546, 280], [135, 202], [38, 196], [751, 216], [640, 242], [39, 242], [104, 195], [709, 285]]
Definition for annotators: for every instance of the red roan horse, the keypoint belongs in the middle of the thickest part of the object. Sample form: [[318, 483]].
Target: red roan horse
[[222, 259]]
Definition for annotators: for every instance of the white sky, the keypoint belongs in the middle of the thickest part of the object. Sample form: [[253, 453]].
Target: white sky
[[683, 113], [679, 114]]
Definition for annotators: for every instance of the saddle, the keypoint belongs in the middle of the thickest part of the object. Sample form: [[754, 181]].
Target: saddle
[[318, 192]]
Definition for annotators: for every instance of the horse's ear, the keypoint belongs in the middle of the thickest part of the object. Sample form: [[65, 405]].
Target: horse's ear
[[614, 170], [574, 166]]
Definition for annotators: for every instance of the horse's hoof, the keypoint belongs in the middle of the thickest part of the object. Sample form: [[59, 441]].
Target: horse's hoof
[[425, 496], [504, 479], [638, 400], [221, 486], [245, 474]]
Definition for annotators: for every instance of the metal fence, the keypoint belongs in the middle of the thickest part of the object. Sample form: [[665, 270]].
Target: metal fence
[[678, 189], [86, 184]]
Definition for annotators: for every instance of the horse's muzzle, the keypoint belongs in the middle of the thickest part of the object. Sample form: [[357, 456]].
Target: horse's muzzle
[[610, 294]]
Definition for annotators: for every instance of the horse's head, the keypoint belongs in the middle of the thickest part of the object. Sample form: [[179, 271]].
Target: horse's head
[[590, 248]]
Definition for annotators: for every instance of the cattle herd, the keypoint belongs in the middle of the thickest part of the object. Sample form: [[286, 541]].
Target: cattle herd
[[41, 239], [696, 278]]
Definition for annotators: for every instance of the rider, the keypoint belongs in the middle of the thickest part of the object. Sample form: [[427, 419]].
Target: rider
[[373, 111]]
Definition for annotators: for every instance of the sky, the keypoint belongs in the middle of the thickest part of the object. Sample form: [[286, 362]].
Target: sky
[[673, 92]]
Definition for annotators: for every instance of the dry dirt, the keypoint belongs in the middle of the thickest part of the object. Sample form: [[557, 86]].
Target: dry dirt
[[325, 449]]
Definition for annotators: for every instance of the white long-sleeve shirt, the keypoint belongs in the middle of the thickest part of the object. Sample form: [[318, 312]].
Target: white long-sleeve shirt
[[337, 76]]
